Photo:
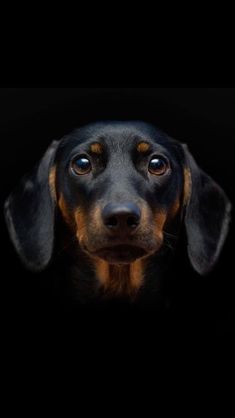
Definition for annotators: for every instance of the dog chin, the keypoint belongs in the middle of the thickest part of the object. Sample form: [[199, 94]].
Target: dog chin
[[120, 254]]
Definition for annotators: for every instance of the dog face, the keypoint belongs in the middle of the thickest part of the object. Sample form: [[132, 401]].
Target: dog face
[[121, 187], [118, 190]]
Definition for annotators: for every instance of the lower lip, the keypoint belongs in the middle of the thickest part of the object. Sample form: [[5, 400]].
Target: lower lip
[[121, 254]]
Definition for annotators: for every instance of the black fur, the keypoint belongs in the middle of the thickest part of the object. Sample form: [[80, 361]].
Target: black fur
[[31, 212]]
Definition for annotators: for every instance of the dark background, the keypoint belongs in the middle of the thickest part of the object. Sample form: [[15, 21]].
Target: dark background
[[30, 118]]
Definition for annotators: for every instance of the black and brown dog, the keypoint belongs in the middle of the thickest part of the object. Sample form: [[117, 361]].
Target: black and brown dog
[[113, 197]]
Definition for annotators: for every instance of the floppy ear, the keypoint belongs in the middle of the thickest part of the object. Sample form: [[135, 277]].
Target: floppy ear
[[207, 216], [29, 214]]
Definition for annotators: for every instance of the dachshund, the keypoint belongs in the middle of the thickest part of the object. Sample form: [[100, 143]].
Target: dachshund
[[110, 201]]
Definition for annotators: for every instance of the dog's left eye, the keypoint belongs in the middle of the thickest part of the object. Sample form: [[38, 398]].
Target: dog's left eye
[[81, 165], [158, 165]]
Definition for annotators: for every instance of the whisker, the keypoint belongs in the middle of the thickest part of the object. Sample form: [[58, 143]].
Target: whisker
[[169, 240], [169, 245], [172, 236]]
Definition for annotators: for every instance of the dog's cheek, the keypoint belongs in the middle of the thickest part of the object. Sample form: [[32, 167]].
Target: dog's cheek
[[81, 225], [173, 210], [159, 220], [163, 218], [74, 218], [64, 209], [95, 227]]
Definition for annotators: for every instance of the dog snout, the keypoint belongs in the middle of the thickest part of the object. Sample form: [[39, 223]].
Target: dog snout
[[121, 218]]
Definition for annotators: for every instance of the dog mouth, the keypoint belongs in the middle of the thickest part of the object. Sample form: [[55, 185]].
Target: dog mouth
[[120, 254]]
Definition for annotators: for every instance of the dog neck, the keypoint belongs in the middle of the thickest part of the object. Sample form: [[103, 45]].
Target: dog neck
[[89, 279], [120, 279]]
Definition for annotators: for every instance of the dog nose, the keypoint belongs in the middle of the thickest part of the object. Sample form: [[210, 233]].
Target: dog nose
[[121, 217]]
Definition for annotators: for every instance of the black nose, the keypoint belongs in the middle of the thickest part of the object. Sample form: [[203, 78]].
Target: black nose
[[121, 217]]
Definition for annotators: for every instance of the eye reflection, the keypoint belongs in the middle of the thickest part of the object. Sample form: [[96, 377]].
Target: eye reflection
[[81, 165]]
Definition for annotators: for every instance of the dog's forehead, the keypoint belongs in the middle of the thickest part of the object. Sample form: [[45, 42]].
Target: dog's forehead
[[116, 136]]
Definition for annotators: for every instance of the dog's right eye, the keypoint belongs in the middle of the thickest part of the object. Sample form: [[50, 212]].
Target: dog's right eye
[[81, 165]]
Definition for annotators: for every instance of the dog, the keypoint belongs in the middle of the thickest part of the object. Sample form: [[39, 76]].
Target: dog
[[110, 202]]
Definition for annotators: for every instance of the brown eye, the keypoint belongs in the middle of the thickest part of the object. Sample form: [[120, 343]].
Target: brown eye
[[81, 165], [158, 165]]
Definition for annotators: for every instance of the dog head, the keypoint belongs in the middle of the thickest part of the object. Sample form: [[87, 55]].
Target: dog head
[[122, 188]]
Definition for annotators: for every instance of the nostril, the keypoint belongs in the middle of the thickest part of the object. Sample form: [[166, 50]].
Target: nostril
[[111, 222], [132, 221]]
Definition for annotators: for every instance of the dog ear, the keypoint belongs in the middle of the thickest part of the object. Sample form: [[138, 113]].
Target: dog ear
[[207, 216], [29, 213]]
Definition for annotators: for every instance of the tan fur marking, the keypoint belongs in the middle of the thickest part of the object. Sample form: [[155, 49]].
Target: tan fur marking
[[64, 209], [187, 185], [174, 209], [120, 279], [102, 271], [160, 219], [136, 273], [143, 147], [75, 219], [96, 215], [81, 224], [52, 177], [97, 148]]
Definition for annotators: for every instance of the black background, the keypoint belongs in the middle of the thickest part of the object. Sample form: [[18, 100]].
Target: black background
[[30, 118]]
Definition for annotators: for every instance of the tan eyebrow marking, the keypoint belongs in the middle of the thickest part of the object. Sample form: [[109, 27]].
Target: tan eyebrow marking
[[96, 147], [143, 147]]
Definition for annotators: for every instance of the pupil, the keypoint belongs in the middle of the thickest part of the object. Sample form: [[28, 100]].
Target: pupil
[[82, 163]]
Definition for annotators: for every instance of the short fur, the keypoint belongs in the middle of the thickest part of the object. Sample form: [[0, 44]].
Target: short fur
[[52, 206]]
